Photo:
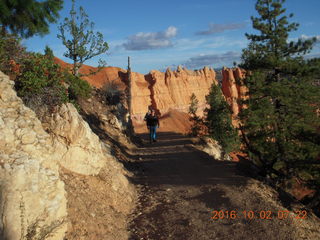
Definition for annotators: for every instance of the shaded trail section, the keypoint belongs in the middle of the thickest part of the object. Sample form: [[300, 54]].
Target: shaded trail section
[[180, 187]]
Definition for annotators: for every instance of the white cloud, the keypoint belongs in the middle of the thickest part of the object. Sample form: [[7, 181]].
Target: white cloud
[[151, 40], [210, 59], [219, 28], [306, 37], [219, 43]]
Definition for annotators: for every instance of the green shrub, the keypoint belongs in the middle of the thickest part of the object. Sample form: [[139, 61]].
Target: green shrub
[[39, 81], [197, 124], [219, 121], [40, 84], [77, 87], [11, 55]]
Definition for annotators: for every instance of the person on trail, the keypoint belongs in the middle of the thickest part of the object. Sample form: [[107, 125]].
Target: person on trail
[[153, 124], [147, 115]]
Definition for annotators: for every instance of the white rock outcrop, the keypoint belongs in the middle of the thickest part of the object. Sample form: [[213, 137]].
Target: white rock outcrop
[[76, 146], [32, 200]]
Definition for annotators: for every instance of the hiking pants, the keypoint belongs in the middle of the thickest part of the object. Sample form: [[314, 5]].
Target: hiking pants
[[153, 134]]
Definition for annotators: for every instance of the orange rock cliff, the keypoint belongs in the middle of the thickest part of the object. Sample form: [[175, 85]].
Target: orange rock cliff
[[171, 90], [163, 90]]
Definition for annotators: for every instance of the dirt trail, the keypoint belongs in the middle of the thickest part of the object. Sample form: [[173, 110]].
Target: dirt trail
[[180, 187]]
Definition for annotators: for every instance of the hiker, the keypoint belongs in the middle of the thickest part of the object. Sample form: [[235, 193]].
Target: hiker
[[152, 124], [147, 115]]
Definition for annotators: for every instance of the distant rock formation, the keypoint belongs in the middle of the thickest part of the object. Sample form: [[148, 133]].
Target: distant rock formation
[[173, 89], [234, 90], [98, 80], [164, 91]]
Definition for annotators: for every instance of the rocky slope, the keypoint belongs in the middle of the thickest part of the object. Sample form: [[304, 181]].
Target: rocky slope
[[44, 176]]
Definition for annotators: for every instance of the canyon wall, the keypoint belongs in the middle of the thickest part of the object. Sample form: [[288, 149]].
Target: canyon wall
[[164, 91], [170, 91]]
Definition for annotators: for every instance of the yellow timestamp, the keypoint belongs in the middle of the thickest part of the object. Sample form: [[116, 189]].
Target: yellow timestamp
[[263, 214]]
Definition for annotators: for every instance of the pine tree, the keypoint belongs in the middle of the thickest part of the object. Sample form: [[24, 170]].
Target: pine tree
[[194, 118], [218, 121], [48, 52], [28, 17], [279, 127], [84, 43]]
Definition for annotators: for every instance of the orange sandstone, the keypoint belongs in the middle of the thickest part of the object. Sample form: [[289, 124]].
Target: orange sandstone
[[234, 90], [168, 92]]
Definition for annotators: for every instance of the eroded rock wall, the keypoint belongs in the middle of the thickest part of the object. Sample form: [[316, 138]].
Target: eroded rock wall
[[161, 90], [141, 95], [33, 198], [234, 90], [76, 147], [171, 90]]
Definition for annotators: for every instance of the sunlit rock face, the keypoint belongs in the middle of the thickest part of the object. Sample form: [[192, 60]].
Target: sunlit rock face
[[173, 89], [33, 199], [32, 194], [234, 90], [161, 90], [76, 146]]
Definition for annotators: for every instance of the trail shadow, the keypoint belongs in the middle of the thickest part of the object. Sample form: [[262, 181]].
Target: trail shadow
[[213, 199], [170, 162], [166, 139]]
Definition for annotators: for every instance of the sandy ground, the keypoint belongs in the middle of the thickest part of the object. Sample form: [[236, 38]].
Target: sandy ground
[[187, 195], [173, 121]]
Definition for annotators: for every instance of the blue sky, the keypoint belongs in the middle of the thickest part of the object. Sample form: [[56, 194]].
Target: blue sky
[[192, 33]]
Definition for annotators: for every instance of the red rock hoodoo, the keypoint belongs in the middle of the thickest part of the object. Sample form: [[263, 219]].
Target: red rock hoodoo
[[233, 91], [168, 92], [171, 90]]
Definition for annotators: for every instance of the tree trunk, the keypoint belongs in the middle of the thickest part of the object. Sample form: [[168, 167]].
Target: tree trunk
[[75, 68]]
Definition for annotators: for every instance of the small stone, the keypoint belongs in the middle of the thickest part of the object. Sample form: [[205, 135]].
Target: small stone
[[28, 138]]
